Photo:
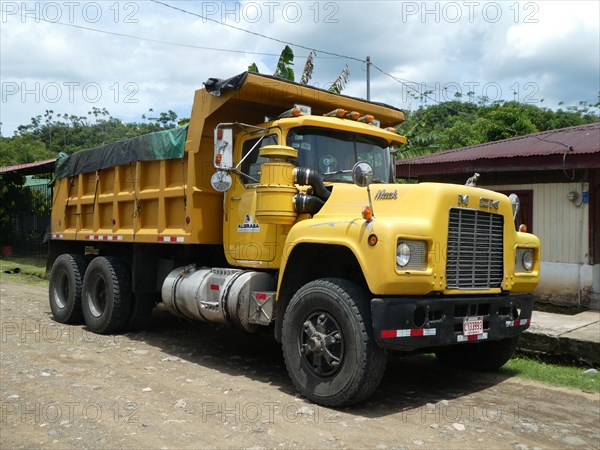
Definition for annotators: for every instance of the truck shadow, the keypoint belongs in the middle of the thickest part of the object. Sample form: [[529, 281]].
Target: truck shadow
[[410, 383]]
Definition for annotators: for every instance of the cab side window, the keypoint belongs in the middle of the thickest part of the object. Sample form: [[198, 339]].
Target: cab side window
[[251, 165]]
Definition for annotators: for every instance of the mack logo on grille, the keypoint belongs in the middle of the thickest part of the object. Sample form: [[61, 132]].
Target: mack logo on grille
[[382, 194], [488, 203], [463, 200]]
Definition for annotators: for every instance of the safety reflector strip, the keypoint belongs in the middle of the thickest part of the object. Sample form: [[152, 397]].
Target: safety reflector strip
[[171, 239], [214, 287], [475, 337], [261, 296], [518, 323], [100, 237], [411, 332], [57, 236]]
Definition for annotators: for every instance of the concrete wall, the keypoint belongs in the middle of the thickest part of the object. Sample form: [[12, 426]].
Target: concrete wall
[[569, 284]]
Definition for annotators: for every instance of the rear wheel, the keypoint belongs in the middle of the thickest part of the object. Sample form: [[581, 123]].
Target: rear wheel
[[328, 343], [66, 281], [482, 357], [106, 300]]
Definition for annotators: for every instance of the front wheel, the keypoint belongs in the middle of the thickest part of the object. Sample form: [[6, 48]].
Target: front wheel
[[328, 344], [482, 357]]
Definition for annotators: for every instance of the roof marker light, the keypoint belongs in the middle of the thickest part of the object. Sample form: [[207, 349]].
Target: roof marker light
[[296, 111], [367, 118], [354, 115], [340, 112]]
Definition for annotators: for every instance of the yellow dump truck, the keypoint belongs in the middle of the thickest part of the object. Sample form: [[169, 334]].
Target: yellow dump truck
[[277, 210]]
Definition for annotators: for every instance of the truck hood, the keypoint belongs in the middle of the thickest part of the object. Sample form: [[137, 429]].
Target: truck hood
[[396, 201]]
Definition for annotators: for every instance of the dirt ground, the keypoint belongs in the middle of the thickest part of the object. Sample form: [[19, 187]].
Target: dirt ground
[[183, 385]]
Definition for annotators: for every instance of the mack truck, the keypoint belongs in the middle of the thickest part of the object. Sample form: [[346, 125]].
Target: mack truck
[[276, 210]]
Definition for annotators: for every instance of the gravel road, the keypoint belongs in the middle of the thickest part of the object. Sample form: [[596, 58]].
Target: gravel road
[[183, 385]]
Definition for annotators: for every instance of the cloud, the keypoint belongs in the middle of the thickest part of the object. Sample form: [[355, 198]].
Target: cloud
[[537, 49]]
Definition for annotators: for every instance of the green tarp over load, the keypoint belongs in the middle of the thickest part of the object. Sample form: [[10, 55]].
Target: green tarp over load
[[168, 144]]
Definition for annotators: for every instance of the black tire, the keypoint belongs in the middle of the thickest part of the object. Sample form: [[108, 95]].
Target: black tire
[[332, 370], [64, 292], [482, 357], [106, 299], [142, 306]]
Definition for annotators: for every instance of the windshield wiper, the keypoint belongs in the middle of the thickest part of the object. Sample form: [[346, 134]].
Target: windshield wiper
[[330, 175]]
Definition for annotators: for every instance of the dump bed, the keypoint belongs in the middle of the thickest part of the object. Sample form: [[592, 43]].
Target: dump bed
[[156, 188]]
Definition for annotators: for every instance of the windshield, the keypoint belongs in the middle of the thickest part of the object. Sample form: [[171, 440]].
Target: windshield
[[333, 153]]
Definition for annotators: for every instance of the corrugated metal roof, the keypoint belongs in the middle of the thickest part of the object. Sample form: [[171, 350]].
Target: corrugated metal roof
[[578, 140], [31, 168]]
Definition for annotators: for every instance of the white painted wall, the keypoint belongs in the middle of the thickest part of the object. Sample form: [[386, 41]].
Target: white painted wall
[[562, 226]]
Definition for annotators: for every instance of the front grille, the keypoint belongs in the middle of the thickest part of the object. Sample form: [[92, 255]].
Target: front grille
[[475, 244]]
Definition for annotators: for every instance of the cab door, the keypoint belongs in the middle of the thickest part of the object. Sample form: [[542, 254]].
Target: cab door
[[248, 242]]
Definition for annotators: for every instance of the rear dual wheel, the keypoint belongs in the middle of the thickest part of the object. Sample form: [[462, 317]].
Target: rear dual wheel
[[106, 298], [65, 288]]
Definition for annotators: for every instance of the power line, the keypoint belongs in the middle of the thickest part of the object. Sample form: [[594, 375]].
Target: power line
[[156, 41], [254, 33]]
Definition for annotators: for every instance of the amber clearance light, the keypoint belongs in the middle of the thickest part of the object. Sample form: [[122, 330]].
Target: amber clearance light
[[339, 113], [372, 240], [367, 213]]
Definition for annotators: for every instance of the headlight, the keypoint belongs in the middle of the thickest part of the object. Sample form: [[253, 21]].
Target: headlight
[[402, 254], [527, 260], [411, 255]]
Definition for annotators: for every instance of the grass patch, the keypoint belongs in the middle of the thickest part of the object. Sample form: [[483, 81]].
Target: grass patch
[[544, 372], [29, 272], [567, 376]]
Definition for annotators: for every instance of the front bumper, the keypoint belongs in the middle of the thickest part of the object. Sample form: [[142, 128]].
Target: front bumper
[[408, 323]]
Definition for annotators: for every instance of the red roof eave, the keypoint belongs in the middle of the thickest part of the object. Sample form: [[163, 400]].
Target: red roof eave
[[23, 167], [530, 163]]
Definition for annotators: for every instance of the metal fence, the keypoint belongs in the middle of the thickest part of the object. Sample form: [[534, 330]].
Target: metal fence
[[24, 234]]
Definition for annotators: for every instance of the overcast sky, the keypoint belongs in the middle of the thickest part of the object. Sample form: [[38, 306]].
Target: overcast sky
[[50, 58]]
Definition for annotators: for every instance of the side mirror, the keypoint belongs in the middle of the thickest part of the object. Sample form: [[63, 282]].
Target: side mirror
[[515, 203], [362, 174], [223, 159], [223, 148]]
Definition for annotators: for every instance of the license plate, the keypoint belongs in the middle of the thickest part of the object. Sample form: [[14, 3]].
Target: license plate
[[472, 326]]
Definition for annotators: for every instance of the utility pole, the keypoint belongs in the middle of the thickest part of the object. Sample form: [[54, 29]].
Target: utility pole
[[368, 78]]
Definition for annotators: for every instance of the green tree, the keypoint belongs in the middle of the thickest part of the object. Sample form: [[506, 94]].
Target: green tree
[[457, 123]]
